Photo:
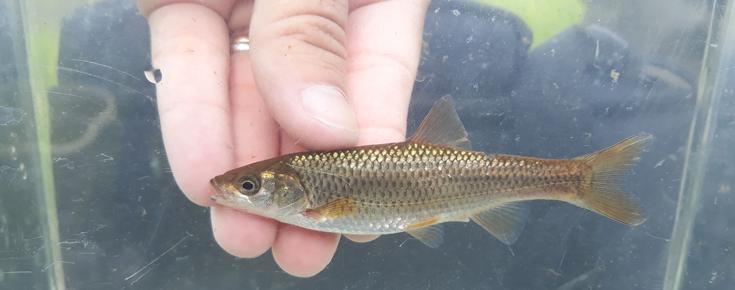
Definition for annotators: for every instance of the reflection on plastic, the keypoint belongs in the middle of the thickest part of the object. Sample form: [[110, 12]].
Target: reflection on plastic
[[8, 173], [10, 115]]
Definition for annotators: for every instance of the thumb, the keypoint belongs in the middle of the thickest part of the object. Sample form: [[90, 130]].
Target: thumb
[[299, 63]]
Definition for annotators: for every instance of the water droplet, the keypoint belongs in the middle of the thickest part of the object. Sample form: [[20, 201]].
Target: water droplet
[[154, 75], [456, 12]]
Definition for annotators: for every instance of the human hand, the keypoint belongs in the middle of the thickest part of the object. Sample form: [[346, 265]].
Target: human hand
[[220, 110]]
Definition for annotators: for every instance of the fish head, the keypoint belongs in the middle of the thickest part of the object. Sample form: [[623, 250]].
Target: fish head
[[269, 188]]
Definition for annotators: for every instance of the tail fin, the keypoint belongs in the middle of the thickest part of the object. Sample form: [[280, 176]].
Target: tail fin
[[609, 166]]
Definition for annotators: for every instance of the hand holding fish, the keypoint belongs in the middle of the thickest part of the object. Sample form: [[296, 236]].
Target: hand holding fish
[[316, 75]]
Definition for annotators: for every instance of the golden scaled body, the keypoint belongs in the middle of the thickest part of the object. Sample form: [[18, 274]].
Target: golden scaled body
[[431, 178]]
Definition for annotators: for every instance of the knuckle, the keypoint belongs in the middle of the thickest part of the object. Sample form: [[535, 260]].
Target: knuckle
[[317, 32], [307, 39]]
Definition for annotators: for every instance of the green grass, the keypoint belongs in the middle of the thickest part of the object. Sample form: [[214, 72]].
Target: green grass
[[544, 17]]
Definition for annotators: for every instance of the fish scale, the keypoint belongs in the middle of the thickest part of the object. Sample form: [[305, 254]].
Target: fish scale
[[431, 178], [426, 181]]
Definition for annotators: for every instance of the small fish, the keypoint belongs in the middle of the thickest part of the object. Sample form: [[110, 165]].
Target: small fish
[[431, 178]]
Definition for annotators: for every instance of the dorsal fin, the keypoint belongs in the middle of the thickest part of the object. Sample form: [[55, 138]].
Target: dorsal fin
[[442, 127]]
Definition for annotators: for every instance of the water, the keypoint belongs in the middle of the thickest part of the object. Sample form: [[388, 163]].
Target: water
[[88, 201]]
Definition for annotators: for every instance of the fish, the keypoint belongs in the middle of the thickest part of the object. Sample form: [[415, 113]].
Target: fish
[[432, 178]]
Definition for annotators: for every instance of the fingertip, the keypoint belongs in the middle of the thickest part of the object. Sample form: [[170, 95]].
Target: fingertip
[[242, 234], [147, 7], [317, 118], [332, 115], [194, 112], [362, 238], [330, 106], [301, 252]]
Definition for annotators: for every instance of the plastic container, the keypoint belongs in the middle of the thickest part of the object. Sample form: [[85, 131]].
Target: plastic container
[[88, 201]]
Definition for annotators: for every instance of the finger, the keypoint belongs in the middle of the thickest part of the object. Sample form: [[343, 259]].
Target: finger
[[221, 7], [241, 15], [375, 59], [241, 234], [301, 252], [190, 45], [299, 63], [383, 63], [362, 238], [256, 133], [255, 138], [289, 144]]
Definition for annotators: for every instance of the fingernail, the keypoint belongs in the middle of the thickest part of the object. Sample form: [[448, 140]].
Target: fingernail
[[330, 106]]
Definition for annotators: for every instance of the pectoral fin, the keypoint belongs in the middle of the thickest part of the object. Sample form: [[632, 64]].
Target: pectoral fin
[[432, 236], [338, 208], [505, 221]]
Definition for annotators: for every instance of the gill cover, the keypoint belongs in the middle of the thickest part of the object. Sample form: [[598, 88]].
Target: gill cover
[[286, 185]]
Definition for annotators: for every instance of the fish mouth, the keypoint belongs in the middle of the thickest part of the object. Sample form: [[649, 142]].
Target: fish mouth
[[213, 182]]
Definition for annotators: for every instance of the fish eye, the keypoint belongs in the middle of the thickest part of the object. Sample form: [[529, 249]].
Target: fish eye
[[248, 185]]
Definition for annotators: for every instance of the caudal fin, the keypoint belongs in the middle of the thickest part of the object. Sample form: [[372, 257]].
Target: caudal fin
[[609, 167]]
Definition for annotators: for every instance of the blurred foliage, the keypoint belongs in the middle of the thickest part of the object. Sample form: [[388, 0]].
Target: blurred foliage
[[544, 17]]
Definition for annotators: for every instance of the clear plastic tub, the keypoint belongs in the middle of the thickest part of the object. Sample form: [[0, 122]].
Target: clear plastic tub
[[88, 201]]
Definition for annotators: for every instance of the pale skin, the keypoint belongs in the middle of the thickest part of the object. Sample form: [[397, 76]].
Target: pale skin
[[319, 75]]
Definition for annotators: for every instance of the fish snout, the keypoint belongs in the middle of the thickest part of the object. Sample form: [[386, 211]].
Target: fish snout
[[213, 182]]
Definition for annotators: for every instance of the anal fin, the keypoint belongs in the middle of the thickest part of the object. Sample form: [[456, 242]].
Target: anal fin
[[505, 221], [432, 236]]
